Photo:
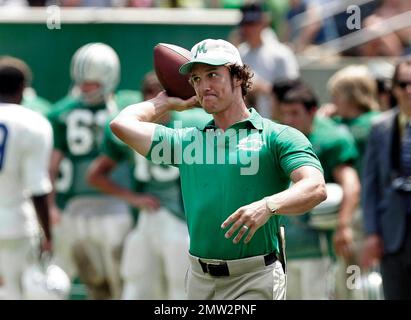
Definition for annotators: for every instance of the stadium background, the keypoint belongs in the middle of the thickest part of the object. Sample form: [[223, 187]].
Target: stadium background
[[133, 33]]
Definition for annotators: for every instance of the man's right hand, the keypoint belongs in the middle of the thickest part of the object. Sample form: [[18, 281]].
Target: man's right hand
[[135, 125], [372, 251], [175, 103]]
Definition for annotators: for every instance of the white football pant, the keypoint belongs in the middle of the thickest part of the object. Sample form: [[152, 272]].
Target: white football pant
[[155, 257]]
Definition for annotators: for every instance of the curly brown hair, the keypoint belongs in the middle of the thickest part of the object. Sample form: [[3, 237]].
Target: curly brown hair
[[243, 73]]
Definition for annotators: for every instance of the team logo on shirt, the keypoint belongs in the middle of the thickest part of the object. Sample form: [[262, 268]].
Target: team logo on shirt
[[250, 144]]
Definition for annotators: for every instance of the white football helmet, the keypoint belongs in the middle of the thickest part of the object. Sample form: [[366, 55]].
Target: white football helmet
[[45, 282], [96, 62], [325, 215]]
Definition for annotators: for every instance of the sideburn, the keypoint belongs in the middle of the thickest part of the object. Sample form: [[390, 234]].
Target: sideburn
[[232, 82]]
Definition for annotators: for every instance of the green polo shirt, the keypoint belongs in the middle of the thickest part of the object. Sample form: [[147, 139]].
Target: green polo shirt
[[222, 171]]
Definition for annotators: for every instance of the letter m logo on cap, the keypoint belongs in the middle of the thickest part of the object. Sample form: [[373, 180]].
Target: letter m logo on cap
[[201, 48]]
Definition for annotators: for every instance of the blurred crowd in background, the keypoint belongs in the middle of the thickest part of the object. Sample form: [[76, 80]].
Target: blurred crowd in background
[[300, 23]]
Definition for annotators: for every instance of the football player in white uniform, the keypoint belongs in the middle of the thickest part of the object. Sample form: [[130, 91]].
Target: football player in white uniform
[[25, 147]]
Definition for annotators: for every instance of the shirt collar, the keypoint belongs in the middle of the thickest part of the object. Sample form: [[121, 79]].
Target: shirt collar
[[255, 120]]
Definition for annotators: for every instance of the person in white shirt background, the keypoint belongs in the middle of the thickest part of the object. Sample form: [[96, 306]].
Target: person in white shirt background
[[25, 148]]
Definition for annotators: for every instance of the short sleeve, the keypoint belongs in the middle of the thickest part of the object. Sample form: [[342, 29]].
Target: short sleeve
[[294, 151], [344, 150], [113, 147]]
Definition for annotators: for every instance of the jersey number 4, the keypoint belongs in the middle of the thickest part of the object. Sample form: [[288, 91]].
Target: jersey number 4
[[3, 140]]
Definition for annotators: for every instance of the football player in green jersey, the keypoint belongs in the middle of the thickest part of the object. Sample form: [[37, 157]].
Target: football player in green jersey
[[155, 252], [93, 226], [309, 249]]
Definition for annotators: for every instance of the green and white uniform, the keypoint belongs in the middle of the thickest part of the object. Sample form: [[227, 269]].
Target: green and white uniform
[[78, 133], [155, 253], [88, 215], [309, 250]]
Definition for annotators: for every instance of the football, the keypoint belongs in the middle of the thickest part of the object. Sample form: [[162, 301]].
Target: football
[[168, 58]]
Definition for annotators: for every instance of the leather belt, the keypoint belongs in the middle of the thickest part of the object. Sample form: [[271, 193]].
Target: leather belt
[[221, 269]]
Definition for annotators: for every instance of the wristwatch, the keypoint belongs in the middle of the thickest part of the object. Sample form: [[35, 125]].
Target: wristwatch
[[271, 205]]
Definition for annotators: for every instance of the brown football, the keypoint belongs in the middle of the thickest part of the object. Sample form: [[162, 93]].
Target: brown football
[[168, 58]]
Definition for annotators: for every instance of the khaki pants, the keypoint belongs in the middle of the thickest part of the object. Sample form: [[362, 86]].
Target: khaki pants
[[249, 279]]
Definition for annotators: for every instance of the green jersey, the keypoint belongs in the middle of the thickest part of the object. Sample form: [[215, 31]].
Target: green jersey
[[78, 133], [159, 180], [334, 146], [222, 171], [360, 128]]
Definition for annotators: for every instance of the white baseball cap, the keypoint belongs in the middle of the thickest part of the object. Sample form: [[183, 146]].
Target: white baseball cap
[[216, 52]]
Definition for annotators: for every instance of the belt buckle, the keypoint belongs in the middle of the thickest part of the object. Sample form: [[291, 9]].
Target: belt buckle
[[212, 268], [215, 269], [207, 265], [218, 269]]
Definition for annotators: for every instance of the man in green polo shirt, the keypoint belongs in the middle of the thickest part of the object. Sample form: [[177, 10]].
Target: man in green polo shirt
[[235, 174]]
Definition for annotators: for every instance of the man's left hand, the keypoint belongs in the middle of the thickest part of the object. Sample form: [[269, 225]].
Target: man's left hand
[[247, 218]]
